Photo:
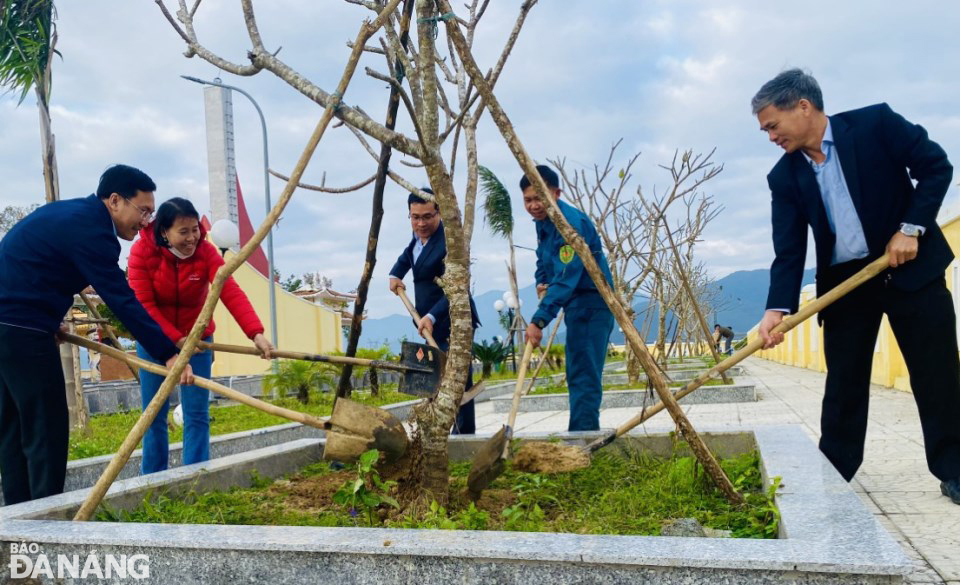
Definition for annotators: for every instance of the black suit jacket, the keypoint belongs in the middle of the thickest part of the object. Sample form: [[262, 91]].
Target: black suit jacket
[[879, 152], [428, 296]]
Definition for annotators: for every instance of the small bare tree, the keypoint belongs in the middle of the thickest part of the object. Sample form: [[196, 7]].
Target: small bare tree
[[643, 253], [444, 107]]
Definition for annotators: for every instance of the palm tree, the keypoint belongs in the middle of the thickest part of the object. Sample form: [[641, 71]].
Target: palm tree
[[489, 355], [499, 215], [297, 375], [28, 38]]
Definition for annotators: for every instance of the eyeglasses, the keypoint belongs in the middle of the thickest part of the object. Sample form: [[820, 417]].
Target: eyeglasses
[[425, 218], [147, 214]]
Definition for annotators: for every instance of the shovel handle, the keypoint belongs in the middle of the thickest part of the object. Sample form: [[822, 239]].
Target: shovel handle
[[401, 292], [820, 303], [198, 381], [518, 391], [545, 351], [309, 357]]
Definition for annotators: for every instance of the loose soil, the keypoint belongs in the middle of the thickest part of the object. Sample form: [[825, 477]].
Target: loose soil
[[544, 457]]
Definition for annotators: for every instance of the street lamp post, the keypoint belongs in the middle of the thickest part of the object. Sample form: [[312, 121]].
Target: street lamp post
[[266, 190]]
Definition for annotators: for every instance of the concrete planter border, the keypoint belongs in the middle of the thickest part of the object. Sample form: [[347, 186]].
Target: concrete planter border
[[827, 535]]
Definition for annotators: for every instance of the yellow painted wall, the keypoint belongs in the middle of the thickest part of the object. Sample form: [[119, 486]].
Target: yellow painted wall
[[301, 325], [803, 345]]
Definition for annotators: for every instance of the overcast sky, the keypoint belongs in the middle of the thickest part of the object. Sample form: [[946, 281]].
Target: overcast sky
[[662, 75]]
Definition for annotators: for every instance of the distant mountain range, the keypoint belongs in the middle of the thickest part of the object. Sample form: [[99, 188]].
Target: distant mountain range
[[743, 295]]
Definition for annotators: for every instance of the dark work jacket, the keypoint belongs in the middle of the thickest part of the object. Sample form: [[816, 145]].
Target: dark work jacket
[[53, 254], [569, 284], [880, 152], [429, 297]]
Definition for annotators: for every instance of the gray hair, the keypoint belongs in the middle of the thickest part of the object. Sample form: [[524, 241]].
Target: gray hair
[[786, 89]]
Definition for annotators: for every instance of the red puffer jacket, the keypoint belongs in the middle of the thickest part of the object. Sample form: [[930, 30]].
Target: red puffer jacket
[[173, 290]]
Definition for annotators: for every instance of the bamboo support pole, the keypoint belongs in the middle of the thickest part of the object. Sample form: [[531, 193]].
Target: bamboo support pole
[[528, 165], [138, 363], [106, 479], [108, 329], [788, 323]]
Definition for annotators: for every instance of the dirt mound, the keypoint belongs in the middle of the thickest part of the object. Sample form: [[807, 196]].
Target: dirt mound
[[310, 493], [542, 457]]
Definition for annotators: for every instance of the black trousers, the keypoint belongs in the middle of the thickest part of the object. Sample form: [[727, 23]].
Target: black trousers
[[34, 422], [924, 324]]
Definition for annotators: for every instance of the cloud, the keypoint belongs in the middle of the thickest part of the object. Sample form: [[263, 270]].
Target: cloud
[[662, 75]]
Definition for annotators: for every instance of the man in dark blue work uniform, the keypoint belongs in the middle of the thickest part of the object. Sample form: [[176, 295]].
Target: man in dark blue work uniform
[[424, 256], [560, 273], [47, 258]]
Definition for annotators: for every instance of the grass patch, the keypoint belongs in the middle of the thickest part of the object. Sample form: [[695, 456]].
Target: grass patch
[[107, 431], [507, 374], [620, 493], [562, 388]]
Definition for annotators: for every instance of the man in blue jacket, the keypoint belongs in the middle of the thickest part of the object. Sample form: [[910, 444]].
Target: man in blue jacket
[[850, 178], [47, 258], [560, 273], [424, 256]]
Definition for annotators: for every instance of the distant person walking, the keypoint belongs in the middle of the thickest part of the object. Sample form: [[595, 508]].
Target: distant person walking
[[171, 267], [47, 258]]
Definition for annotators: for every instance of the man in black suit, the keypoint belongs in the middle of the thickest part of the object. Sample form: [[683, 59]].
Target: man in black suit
[[848, 176], [424, 255]]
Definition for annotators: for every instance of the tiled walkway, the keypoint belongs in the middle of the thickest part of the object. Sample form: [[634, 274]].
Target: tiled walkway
[[893, 482]]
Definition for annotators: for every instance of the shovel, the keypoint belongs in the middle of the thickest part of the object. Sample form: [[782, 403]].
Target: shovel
[[470, 394], [383, 431], [421, 377], [489, 461], [788, 323]]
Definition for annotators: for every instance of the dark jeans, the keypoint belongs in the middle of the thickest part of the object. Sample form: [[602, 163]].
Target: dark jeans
[[588, 331], [924, 325], [34, 421]]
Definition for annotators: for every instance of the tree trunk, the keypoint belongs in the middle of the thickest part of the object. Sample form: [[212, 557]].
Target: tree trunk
[[356, 325], [487, 369], [374, 382], [434, 419], [77, 408], [303, 393]]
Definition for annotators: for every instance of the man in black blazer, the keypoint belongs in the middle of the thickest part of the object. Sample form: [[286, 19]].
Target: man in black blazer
[[850, 178], [424, 255]]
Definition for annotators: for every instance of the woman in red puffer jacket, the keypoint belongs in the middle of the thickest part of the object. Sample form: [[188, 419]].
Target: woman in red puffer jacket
[[170, 269]]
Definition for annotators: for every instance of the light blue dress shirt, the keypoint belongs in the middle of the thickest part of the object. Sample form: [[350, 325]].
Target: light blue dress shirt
[[844, 222], [418, 248]]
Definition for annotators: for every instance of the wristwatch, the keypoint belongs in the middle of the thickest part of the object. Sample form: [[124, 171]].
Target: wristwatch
[[540, 323], [911, 230]]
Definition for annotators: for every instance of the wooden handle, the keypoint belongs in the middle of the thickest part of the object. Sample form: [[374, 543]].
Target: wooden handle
[[518, 390], [866, 273], [546, 351], [310, 357], [401, 292], [198, 381]]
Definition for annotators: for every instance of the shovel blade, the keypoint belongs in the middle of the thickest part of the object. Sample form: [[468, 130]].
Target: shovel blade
[[418, 382], [355, 428], [488, 463]]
